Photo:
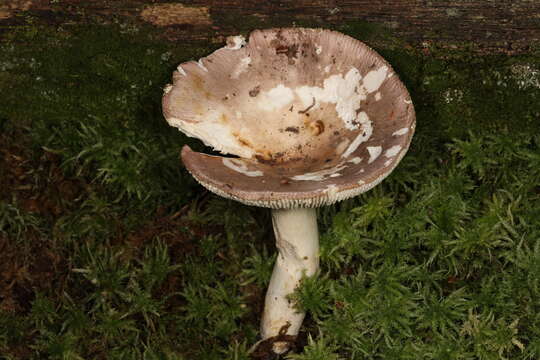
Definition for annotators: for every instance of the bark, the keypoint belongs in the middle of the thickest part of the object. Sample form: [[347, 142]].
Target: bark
[[488, 26]]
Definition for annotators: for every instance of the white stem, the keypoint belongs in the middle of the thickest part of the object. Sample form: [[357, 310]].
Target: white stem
[[297, 241]]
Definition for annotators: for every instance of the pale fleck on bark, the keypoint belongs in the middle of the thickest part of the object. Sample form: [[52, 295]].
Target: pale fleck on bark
[[11, 7], [176, 14]]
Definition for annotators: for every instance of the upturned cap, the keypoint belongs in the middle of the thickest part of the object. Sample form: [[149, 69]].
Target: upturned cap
[[313, 116]]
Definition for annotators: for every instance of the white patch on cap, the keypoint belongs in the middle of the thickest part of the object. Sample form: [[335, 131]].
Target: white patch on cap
[[212, 132], [201, 65], [387, 162], [235, 42], [361, 182], [181, 70], [335, 175], [401, 131], [318, 49], [355, 160], [319, 175], [393, 151], [378, 96], [241, 167], [390, 75], [374, 152], [241, 67], [374, 79], [331, 190], [327, 68], [238, 114], [364, 135], [276, 98], [167, 88], [344, 91], [407, 101]]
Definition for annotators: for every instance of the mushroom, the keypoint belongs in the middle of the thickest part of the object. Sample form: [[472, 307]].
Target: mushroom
[[311, 117]]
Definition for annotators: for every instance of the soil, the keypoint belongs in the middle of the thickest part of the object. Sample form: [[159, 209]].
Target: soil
[[31, 263]]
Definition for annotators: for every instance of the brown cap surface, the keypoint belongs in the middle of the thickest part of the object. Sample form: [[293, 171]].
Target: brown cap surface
[[314, 115]]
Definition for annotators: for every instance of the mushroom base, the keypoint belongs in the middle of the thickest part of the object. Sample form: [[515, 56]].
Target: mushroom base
[[297, 241]]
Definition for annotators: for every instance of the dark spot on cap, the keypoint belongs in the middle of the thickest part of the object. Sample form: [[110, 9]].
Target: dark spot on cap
[[313, 102], [255, 91], [289, 50], [282, 49], [267, 159], [293, 129]]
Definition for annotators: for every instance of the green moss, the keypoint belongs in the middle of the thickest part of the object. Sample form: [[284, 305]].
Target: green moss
[[480, 94], [97, 103]]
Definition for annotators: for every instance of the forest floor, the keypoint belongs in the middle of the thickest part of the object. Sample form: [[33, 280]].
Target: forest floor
[[110, 250]]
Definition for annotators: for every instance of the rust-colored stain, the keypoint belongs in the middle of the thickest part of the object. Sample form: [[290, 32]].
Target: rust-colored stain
[[198, 85], [176, 14], [264, 156], [241, 140], [12, 6], [316, 127], [244, 142]]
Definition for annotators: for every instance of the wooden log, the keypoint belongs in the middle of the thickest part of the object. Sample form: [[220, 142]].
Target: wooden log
[[485, 26]]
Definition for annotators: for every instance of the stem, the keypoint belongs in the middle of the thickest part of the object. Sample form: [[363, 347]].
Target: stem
[[297, 241]]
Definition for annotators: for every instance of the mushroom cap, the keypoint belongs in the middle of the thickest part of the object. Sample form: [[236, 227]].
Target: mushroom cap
[[313, 116]]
